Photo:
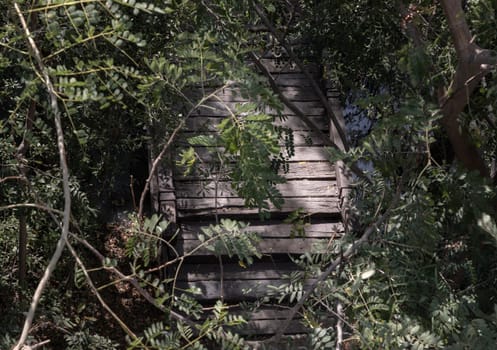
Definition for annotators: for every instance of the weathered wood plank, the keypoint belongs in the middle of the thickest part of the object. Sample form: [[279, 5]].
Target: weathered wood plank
[[167, 196], [292, 79], [302, 154], [266, 246], [228, 108], [292, 93], [236, 206], [300, 138], [311, 154], [256, 271], [234, 289], [267, 322], [272, 229], [295, 188], [264, 313], [297, 170], [268, 327], [310, 170], [295, 334], [210, 123]]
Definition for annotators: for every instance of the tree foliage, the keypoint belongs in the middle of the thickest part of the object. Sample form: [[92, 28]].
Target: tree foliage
[[424, 276]]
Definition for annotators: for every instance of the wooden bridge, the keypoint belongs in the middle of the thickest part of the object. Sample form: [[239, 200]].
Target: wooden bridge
[[314, 186]]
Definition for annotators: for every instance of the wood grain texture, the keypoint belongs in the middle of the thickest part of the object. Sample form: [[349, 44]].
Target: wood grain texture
[[210, 123], [236, 206], [293, 93], [271, 229], [218, 108], [302, 154], [233, 289], [310, 170], [300, 138], [292, 80], [267, 246], [297, 170], [256, 271], [292, 188], [269, 326]]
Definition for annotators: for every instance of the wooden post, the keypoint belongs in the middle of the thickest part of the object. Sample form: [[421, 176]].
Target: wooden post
[[154, 184], [162, 196], [167, 195], [167, 206]]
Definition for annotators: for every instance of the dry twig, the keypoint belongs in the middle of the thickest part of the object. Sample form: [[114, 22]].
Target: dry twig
[[65, 182]]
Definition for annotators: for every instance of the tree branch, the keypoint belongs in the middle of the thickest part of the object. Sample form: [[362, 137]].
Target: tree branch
[[12, 178], [94, 289], [65, 182], [458, 26], [135, 284], [473, 64]]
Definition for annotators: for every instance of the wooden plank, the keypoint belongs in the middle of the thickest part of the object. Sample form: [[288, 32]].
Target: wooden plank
[[297, 170], [267, 321], [210, 123], [294, 188], [311, 154], [167, 196], [292, 79], [310, 170], [265, 246], [264, 313], [292, 93], [302, 154], [234, 289], [236, 206], [300, 138], [295, 332], [272, 229], [268, 327], [256, 271], [228, 108], [308, 138]]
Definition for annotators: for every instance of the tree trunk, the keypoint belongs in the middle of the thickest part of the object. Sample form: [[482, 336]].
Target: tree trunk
[[473, 64]]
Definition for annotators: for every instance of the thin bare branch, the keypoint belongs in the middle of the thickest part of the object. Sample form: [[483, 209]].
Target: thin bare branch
[[37, 345], [12, 178], [339, 326], [65, 182], [175, 315], [31, 205], [98, 295]]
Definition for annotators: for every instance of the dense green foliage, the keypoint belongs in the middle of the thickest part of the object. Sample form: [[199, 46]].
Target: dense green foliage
[[425, 279]]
